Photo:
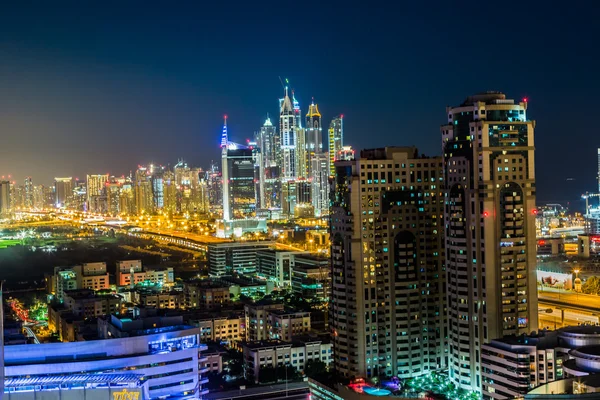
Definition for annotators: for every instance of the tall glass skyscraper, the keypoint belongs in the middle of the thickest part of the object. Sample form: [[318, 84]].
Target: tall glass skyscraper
[[336, 140], [287, 132]]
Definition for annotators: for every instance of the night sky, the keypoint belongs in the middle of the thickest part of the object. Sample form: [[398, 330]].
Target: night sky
[[87, 89]]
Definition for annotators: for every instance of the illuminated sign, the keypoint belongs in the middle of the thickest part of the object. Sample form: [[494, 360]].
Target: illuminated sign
[[125, 395]]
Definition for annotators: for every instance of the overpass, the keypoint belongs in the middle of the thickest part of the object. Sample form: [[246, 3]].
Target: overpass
[[560, 308]]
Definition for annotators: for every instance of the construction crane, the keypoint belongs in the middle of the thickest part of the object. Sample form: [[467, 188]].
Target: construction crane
[[586, 197]]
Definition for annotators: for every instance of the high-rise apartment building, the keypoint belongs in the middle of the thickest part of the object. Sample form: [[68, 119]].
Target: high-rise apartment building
[[143, 191], [96, 193], [158, 187], [288, 132], [38, 197], [294, 193], [317, 161], [28, 195], [5, 206], [80, 202], [63, 191], [239, 195], [336, 140], [387, 310], [490, 212], [269, 173]]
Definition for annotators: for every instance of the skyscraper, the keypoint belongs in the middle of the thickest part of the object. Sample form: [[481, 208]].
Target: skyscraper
[[170, 193], [143, 191], [28, 199], [80, 201], [239, 195], [113, 195], [317, 162], [4, 197], [387, 311], [38, 197], [271, 154], [287, 132], [157, 181], [489, 176], [96, 193], [336, 140], [63, 191]]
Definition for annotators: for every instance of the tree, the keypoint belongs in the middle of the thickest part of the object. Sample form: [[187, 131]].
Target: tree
[[591, 285], [267, 374], [315, 368], [287, 372]]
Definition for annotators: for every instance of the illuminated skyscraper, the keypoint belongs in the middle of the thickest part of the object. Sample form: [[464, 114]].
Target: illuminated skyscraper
[[38, 197], [28, 200], [239, 194], [4, 197], [127, 197], [80, 202], [598, 170], [214, 181], [490, 214], [271, 154], [63, 192], [288, 132], [293, 194], [170, 193], [96, 193], [317, 162], [336, 140], [157, 180], [143, 191], [113, 190], [387, 311]]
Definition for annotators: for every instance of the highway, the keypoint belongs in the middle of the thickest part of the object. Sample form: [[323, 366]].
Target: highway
[[577, 300], [567, 308], [32, 334]]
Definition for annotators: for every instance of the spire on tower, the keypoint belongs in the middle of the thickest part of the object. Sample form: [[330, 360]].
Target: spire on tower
[[224, 138]]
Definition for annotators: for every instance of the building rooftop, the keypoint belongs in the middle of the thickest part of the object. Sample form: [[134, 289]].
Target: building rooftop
[[265, 344], [87, 378], [83, 294]]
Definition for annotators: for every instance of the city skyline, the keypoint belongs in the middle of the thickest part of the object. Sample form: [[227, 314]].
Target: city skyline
[[124, 88]]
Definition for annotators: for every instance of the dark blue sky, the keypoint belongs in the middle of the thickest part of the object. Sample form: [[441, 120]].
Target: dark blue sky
[[96, 89]]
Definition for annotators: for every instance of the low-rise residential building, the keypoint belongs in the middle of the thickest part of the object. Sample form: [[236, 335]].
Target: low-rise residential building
[[278, 353], [212, 360], [274, 265], [287, 324], [92, 276], [88, 304], [159, 299], [86, 276], [131, 273], [226, 329], [228, 258], [514, 365], [311, 277], [267, 320], [206, 295], [257, 320]]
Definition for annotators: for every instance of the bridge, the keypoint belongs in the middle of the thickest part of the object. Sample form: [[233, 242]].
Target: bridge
[[559, 308]]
